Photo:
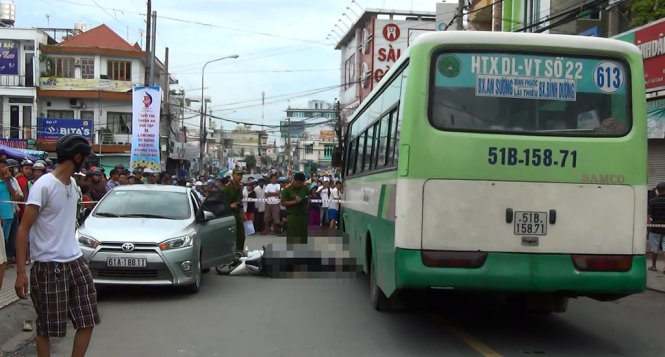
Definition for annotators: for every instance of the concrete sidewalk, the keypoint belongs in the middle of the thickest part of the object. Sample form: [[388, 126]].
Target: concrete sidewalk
[[656, 279]]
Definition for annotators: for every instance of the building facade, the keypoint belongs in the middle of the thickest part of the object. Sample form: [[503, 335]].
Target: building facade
[[242, 142], [19, 75], [85, 87], [316, 151], [371, 46]]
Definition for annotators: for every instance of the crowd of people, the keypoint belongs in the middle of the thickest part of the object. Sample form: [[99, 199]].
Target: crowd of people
[[267, 212]]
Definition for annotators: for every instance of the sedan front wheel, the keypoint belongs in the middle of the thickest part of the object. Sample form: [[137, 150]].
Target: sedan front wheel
[[194, 287]]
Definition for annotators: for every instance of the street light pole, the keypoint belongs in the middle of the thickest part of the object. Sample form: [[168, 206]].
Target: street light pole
[[202, 135]]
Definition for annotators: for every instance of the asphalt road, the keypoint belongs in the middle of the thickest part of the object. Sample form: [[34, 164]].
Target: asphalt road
[[258, 316]]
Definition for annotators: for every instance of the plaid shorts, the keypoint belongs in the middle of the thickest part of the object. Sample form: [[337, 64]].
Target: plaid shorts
[[59, 290]]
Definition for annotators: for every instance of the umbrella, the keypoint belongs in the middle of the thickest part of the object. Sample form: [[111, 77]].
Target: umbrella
[[17, 154]]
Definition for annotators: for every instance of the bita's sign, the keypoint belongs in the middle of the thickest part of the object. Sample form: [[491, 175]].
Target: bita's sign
[[50, 129]]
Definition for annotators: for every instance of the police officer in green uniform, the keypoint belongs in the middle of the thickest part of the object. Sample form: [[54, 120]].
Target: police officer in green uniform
[[294, 198], [233, 194]]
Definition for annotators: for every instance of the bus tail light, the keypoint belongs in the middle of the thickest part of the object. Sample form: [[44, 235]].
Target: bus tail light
[[603, 262], [453, 259]]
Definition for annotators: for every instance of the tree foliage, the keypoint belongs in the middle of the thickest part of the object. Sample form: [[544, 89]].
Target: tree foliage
[[645, 11], [250, 161]]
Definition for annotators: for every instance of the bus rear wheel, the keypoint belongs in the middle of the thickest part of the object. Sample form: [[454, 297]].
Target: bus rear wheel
[[377, 297], [379, 300]]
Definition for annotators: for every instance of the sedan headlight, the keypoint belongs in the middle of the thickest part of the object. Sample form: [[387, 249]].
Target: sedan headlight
[[180, 242], [87, 241]]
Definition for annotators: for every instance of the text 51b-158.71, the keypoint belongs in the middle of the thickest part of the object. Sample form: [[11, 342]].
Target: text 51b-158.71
[[532, 157]]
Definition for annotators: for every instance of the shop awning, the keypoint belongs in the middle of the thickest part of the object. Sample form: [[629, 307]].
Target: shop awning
[[17, 154]]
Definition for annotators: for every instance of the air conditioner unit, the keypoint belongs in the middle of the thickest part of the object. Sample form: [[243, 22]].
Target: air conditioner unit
[[75, 103]]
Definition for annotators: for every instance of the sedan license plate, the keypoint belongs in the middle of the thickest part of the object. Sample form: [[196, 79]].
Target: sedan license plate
[[530, 223], [126, 262]]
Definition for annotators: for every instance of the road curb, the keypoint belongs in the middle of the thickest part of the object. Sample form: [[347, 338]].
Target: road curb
[[656, 290]]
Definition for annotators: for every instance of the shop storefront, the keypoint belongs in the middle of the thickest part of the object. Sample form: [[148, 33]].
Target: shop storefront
[[649, 38]]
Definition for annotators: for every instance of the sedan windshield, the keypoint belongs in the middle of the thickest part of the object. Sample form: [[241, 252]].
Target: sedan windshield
[[144, 204]]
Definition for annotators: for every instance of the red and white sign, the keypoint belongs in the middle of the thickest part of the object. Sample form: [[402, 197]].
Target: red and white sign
[[391, 32], [651, 42]]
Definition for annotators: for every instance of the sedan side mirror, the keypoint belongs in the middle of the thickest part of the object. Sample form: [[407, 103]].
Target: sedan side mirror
[[204, 215], [207, 215]]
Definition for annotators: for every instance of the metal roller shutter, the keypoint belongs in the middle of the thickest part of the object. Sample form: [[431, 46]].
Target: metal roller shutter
[[656, 162]]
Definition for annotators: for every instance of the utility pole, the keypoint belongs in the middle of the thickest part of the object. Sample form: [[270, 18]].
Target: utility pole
[[152, 51], [148, 33], [340, 142], [166, 108], [460, 15], [288, 144]]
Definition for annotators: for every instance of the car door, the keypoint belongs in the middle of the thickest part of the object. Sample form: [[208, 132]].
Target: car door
[[219, 234]]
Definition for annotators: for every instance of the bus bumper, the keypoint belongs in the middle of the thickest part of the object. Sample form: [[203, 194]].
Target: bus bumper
[[519, 272]]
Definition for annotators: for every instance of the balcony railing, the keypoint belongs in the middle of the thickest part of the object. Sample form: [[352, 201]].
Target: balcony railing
[[15, 81]]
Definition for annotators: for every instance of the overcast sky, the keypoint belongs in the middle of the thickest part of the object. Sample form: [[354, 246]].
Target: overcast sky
[[281, 45]]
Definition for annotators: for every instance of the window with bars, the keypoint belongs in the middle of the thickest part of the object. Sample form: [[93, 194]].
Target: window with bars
[[60, 114], [87, 115], [87, 68], [309, 149], [62, 67], [119, 123], [327, 151], [119, 70]]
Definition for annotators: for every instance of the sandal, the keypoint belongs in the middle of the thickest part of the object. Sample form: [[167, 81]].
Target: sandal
[[653, 269], [27, 325]]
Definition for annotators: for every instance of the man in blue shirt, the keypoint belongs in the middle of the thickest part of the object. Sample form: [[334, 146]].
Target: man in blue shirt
[[7, 193]]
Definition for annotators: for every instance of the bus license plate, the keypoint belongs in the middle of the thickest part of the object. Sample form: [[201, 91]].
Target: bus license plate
[[126, 262], [530, 223]]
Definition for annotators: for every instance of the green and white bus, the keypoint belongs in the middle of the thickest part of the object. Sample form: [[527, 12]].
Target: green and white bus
[[509, 163]]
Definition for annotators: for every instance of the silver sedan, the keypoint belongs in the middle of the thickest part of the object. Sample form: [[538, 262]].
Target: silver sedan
[[156, 235]]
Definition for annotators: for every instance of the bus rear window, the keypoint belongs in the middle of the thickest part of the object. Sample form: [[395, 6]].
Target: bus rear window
[[530, 94]]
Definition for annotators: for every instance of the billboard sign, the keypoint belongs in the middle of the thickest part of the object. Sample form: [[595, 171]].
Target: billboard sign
[[50, 129], [14, 143], [9, 57], [652, 45], [294, 128]]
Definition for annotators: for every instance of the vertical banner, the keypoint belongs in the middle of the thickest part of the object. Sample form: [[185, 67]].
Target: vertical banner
[[146, 102]]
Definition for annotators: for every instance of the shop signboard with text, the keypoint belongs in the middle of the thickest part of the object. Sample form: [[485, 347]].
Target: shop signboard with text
[[391, 38], [50, 129], [9, 57], [649, 38]]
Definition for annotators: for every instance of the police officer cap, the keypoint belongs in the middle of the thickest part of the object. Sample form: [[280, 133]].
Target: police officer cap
[[237, 171]]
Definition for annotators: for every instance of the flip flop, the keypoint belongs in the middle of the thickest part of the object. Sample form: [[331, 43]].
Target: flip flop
[[653, 269]]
